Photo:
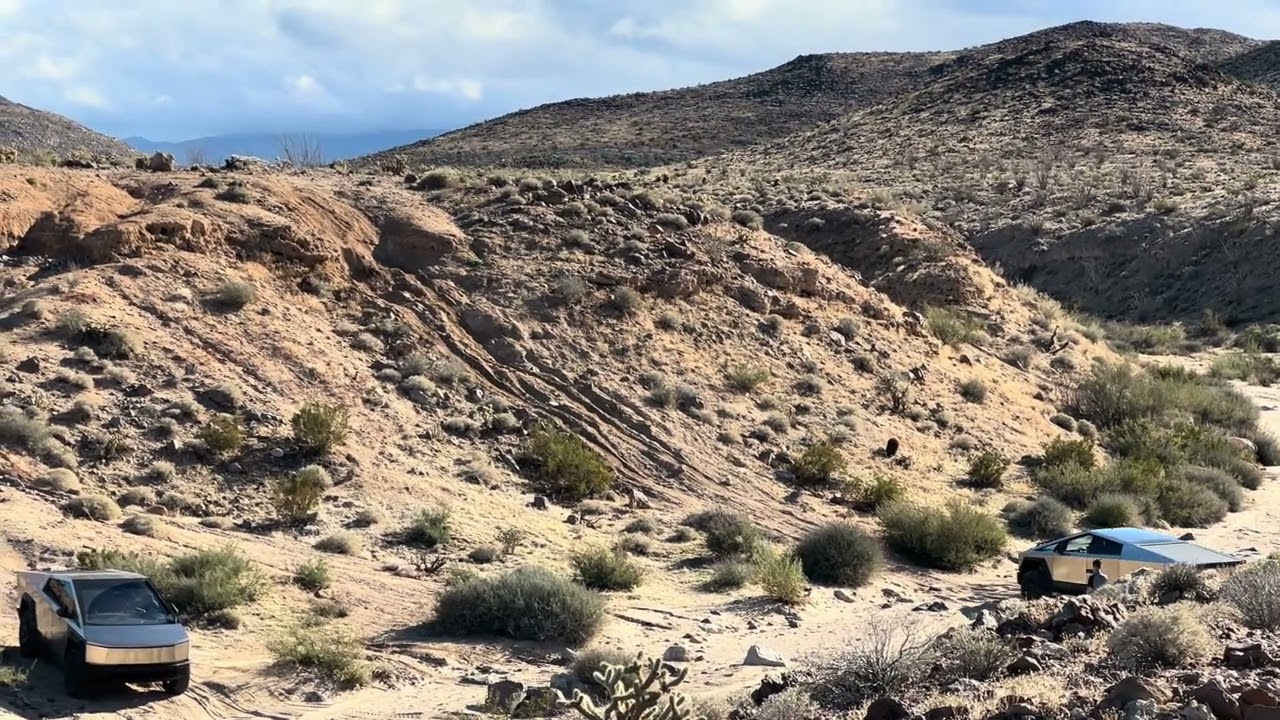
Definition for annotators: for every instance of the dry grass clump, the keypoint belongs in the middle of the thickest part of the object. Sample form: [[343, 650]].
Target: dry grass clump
[[1169, 636]]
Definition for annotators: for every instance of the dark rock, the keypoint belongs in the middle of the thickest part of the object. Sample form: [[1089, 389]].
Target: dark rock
[[30, 365], [1262, 712], [1258, 696], [505, 696], [538, 702], [891, 447], [887, 708], [1249, 655], [945, 712], [139, 390], [1024, 665], [771, 685], [1130, 689], [540, 502]]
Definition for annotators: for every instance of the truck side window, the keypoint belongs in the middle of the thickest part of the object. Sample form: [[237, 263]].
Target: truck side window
[[59, 593]]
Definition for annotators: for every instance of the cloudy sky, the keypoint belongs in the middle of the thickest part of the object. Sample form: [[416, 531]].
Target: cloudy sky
[[176, 69]]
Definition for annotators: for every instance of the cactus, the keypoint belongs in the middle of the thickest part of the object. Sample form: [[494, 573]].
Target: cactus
[[633, 695]]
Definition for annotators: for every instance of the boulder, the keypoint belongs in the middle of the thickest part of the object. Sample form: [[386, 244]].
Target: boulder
[[758, 656], [1132, 688], [160, 162], [887, 708], [505, 696]]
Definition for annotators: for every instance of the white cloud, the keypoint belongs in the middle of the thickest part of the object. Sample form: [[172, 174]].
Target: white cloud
[[292, 65]]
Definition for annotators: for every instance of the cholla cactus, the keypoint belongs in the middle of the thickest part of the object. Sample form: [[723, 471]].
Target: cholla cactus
[[633, 695]]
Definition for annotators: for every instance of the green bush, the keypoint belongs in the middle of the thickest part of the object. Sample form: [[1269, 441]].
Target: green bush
[[840, 554], [726, 534], [1220, 482], [1172, 636], [1185, 504], [952, 327], [1189, 581], [1044, 518], [326, 651], [567, 466], [528, 603], [731, 574], [974, 391], [198, 584], [746, 378], [1070, 483], [1061, 451], [223, 433], [296, 497], [606, 569], [871, 495], [319, 427], [1113, 510], [313, 575], [955, 538], [987, 470], [819, 465], [1254, 592], [428, 528], [592, 660], [780, 575]]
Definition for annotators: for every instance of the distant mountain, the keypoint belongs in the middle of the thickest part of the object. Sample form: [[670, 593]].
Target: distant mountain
[[36, 134], [329, 146]]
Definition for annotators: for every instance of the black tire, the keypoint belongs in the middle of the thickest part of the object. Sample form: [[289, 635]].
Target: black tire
[[29, 644], [178, 685], [75, 674], [1036, 584]]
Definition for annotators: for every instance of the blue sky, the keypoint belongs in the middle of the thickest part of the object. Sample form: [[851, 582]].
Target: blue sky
[[176, 69]]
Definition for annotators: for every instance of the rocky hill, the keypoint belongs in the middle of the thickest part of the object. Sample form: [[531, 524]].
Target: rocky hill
[[30, 134]]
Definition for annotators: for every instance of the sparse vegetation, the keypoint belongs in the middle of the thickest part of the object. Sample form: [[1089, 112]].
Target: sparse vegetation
[[296, 497], [956, 537], [326, 651], [1254, 592], [987, 470], [973, 390], [319, 427], [1172, 636], [528, 603], [840, 554], [313, 575], [606, 569], [871, 495], [731, 574], [780, 575], [1043, 518], [429, 528], [746, 378], [953, 328], [819, 465], [234, 295], [727, 534], [93, 507], [198, 583], [223, 433], [340, 543], [567, 466]]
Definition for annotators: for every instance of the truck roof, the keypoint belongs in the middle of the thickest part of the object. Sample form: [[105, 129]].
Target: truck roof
[[88, 574]]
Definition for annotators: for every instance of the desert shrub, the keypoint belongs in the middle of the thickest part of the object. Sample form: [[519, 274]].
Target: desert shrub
[[952, 327], [1189, 581], [871, 495], [626, 300], [319, 427], [1170, 636], [1247, 366], [438, 180], [342, 542], [107, 341], [1114, 394], [1268, 447], [1186, 504], [748, 219], [13, 677], [643, 526], [1061, 451], [198, 583], [973, 390], [606, 569], [780, 575], [974, 653], [1247, 474], [1087, 429], [1254, 592], [636, 544], [223, 433], [1044, 518], [325, 651], [528, 603], [1219, 482], [956, 537], [328, 608], [510, 539], [592, 660], [234, 294], [727, 534], [987, 470], [746, 378], [840, 554], [20, 432], [731, 574], [891, 660], [483, 554], [313, 575], [567, 466], [1072, 484], [160, 471], [296, 497], [1113, 510], [61, 480], [92, 507], [145, 525], [1064, 421], [790, 704], [819, 464], [428, 528]]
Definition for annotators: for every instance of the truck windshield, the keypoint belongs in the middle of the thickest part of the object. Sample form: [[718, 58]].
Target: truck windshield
[[121, 602]]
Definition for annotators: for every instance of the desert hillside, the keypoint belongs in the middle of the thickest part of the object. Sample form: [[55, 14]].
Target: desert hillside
[[469, 374], [1092, 144], [32, 135]]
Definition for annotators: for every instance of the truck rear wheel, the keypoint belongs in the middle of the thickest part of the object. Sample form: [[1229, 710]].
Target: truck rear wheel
[[28, 632]]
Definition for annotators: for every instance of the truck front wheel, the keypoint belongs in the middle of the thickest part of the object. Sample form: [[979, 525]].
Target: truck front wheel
[[179, 685], [28, 632], [75, 673]]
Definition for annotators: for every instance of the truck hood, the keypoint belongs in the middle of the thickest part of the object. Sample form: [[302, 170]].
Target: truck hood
[[135, 636]]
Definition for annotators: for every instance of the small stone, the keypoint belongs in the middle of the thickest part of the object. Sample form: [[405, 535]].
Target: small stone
[[277, 453], [676, 653], [572, 519], [30, 365], [505, 695], [476, 679], [540, 502], [844, 596], [1130, 689], [758, 656], [1188, 537], [1024, 666]]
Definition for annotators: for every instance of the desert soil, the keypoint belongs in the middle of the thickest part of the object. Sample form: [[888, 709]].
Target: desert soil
[[229, 681]]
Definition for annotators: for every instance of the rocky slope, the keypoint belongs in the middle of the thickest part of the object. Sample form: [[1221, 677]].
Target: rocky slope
[[29, 134]]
